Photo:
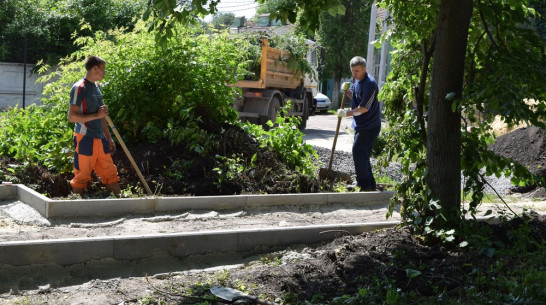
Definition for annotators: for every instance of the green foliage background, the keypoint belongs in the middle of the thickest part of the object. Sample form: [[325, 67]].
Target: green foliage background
[[343, 37], [223, 20], [49, 25]]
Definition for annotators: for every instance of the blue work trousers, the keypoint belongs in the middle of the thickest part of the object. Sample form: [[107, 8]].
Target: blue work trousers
[[362, 151]]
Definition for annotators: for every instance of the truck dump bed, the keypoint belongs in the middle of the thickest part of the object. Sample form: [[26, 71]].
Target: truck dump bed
[[274, 72]]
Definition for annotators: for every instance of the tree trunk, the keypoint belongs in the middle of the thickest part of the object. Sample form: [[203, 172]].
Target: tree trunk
[[444, 125], [335, 91]]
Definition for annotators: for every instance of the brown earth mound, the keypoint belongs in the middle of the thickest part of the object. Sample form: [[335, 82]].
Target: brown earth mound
[[526, 146], [180, 170], [350, 262]]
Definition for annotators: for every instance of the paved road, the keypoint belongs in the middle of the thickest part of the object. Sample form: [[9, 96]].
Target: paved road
[[321, 129]]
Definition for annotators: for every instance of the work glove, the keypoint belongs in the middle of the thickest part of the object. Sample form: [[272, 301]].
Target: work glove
[[345, 86], [341, 113]]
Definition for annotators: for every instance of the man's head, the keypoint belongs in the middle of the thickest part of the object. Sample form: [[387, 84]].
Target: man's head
[[358, 67], [95, 67]]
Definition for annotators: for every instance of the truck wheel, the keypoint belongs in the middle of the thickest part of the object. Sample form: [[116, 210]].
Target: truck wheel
[[305, 115], [274, 109]]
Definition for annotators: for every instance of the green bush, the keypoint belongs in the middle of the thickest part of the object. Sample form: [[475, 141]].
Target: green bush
[[37, 135], [287, 141], [153, 90], [153, 93]]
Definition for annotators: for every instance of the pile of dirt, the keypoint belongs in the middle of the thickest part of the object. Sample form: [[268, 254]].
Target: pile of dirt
[[180, 170], [527, 146], [176, 169], [348, 263]]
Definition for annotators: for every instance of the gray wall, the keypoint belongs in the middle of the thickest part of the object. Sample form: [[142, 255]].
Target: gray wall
[[11, 86]]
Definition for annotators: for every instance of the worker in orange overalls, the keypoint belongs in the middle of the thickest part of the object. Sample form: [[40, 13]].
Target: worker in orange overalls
[[92, 139]]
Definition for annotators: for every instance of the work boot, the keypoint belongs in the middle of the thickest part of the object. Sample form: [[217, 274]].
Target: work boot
[[352, 187]]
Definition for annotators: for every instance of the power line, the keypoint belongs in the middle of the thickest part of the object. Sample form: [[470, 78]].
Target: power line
[[238, 2], [233, 6], [236, 10]]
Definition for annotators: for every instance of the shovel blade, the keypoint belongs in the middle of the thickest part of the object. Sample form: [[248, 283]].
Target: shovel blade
[[226, 293], [333, 175], [231, 295]]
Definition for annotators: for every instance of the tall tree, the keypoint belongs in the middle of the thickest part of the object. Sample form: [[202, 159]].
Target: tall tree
[[222, 20], [343, 37], [485, 60], [444, 125]]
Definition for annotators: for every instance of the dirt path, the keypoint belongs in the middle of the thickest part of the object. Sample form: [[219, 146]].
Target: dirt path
[[19, 222]]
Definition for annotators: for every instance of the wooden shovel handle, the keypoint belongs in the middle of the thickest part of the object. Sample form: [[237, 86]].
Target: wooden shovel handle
[[257, 300], [120, 140], [337, 132]]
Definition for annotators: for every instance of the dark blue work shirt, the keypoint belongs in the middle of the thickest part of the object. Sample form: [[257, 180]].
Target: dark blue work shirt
[[365, 95]]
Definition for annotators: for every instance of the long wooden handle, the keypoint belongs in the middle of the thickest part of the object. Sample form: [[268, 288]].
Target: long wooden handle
[[120, 140], [337, 132]]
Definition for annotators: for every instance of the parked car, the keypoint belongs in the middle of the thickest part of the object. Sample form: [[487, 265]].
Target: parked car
[[323, 102]]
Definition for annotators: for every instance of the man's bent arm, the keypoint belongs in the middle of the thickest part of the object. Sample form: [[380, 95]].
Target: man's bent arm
[[357, 111], [75, 117]]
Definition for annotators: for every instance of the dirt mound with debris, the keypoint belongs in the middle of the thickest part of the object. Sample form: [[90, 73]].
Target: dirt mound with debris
[[342, 266], [181, 170], [526, 146]]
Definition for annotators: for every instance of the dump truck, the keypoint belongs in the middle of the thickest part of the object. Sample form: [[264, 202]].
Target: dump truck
[[262, 99]]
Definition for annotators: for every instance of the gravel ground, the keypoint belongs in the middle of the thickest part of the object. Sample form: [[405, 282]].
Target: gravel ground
[[343, 162]]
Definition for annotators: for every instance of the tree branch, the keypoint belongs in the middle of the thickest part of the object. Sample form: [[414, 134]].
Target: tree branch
[[482, 17], [420, 90], [497, 27], [472, 72]]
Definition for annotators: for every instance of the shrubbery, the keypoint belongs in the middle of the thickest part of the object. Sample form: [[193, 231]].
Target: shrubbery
[[178, 92]]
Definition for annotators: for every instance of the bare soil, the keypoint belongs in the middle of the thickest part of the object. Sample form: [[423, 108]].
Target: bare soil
[[527, 146], [303, 273], [328, 270]]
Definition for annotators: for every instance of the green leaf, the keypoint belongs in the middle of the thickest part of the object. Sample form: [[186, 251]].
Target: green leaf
[[341, 9], [411, 273]]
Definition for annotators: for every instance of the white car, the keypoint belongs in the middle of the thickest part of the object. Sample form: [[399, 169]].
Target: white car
[[323, 102]]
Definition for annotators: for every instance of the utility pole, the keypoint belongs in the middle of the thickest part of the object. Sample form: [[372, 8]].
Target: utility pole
[[383, 61], [370, 65], [24, 72]]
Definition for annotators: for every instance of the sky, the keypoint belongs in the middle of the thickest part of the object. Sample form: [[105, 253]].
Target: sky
[[245, 8]]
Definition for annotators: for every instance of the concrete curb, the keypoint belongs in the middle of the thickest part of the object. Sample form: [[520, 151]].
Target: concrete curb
[[80, 250], [66, 252], [111, 207]]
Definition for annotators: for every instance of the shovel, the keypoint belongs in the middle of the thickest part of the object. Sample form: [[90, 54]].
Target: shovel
[[237, 297], [328, 173], [120, 140]]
